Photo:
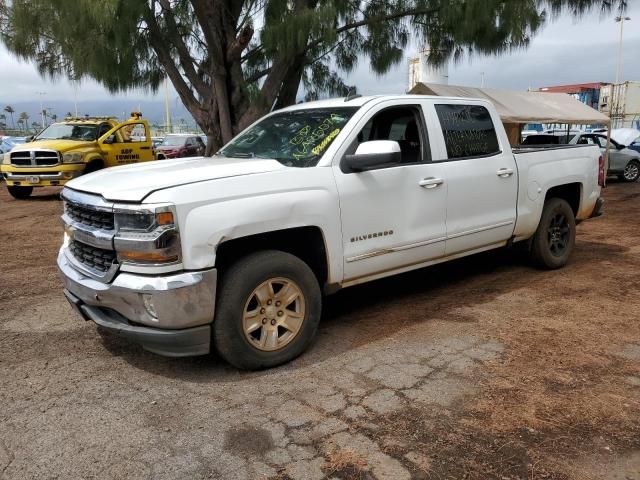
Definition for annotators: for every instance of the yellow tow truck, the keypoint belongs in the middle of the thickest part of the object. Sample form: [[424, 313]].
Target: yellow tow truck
[[76, 146]]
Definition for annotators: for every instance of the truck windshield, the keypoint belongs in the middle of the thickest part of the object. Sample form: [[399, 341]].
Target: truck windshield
[[296, 138], [65, 131]]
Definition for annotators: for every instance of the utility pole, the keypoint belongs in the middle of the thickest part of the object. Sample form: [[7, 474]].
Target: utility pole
[[616, 86], [166, 106], [41, 110]]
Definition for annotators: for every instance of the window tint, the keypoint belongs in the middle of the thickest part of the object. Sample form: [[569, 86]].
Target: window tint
[[399, 124], [468, 130]]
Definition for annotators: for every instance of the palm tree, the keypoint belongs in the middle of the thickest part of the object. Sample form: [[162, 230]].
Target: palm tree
[[53, 118], [69, 114], [9, 109], [24, 116]]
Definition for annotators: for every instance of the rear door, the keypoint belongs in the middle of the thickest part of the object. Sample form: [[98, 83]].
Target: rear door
[[479, 171]]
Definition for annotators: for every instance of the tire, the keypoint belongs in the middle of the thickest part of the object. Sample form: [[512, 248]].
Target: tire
[[20, 193], [93, 166], [631, 171], [553, 242], [247, 341]]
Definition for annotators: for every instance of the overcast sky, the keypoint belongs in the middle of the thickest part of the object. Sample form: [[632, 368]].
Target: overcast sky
[[565, 51]]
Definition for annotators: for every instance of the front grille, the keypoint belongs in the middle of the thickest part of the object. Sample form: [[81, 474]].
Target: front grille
[[95, 258], [90, 217], [35, 158]]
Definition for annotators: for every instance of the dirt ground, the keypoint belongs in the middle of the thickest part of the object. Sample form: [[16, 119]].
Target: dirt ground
[[481, 368]]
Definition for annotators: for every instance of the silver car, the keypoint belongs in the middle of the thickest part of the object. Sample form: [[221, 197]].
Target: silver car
[[623, 162]]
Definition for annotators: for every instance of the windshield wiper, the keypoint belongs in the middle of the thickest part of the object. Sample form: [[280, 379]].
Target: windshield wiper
[[241, 155]]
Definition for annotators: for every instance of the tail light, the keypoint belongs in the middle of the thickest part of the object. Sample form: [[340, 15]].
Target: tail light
[[601, 175]]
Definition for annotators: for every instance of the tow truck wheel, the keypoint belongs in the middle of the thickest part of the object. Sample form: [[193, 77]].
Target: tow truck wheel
[[555, 237], [268, 310], [20, 193]]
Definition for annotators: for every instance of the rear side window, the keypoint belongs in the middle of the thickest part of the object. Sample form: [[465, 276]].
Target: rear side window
[[468, 131]]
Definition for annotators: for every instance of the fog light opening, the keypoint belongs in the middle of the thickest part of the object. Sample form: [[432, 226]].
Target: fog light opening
[[148, 305]]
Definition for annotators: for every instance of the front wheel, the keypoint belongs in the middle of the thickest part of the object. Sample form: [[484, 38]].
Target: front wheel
[[631, 172], [555, 237], [268, 310], [20, 193]]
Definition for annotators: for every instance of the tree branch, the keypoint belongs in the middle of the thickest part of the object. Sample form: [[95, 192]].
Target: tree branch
[[379, 18], [185, 58]]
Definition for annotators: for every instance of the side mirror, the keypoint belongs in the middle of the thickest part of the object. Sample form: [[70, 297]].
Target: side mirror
[[620, 147], [373, 155], [109, 140]]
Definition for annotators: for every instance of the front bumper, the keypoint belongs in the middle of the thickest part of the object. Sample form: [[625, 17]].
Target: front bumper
[[183, 305], [47, 176]]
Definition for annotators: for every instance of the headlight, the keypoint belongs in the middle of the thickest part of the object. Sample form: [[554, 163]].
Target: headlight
[[72, 157], [147, 235]]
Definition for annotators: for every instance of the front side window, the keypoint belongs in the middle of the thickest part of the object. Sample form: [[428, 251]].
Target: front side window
[[468, 131], [295, 138], [131, 133], [400, 124]]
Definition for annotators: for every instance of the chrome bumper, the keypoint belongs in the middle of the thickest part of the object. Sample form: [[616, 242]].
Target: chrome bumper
[[170, 315], [65, 175]]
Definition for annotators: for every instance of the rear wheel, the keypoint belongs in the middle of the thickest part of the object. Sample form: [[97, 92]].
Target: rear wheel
[[555, 237], [631, 171], [268, 310], [20, 192]]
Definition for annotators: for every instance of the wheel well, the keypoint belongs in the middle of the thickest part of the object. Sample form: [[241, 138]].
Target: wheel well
[[94, 164], [570, 192], [306, 243]]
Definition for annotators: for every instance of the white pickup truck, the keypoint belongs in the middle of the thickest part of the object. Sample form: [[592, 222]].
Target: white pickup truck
[[235, 251]]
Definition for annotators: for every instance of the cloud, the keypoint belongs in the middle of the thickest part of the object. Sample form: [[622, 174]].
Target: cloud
[[566, 51]]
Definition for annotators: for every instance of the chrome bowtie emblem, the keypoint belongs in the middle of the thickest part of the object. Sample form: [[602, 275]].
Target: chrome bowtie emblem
[[33, 157]]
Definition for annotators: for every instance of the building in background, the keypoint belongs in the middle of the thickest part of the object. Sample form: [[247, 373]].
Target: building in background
[[587, 93], [421, 72], [622, 104]]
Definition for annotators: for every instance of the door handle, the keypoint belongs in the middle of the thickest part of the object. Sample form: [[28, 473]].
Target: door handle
[[145, 148], [430, 182], [505, 172]]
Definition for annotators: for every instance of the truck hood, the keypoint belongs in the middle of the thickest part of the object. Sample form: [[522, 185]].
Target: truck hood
[[132, 183], [60, 145]]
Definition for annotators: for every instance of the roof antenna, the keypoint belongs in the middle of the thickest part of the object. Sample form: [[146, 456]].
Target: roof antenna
[[351, 94]]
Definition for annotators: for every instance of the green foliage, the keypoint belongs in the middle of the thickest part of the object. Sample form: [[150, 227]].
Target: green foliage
[[232, 60]]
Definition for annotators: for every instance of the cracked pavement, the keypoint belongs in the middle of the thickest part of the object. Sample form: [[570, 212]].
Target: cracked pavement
[[483, 368]]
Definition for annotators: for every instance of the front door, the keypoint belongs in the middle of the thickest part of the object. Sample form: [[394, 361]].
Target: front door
[[481, 178], [127, 143], [392, 217]]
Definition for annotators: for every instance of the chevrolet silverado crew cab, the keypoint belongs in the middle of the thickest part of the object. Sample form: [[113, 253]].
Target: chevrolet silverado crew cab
[[234, 252], [76, 146]]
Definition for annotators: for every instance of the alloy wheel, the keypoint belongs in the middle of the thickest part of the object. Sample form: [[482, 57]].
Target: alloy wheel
[[558, 234], [631, 172], [273, 314]]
